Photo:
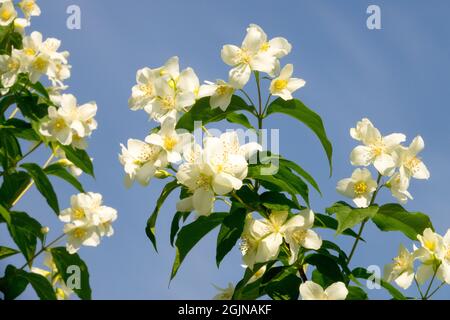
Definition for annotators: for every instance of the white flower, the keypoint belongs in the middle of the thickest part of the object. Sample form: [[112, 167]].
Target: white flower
[[20, 24], [220, 92], [262, 238], [312, 291], [411, 165], [169, 100], [70, 124], [360, 187], [140, 161], [87, 220], [7, 12], [171, 141], [9, 68], [376, 149], [399, 187], [29, 8], [255, 54], [431, 255], [224, 294], [283, 86], [402, 269], [258, 274], [144, 92], [217, 169], [62, 291], [301, 236]]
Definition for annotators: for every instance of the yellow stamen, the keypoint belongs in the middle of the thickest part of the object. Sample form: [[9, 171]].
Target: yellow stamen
[[280, 84], [265, 46], [78, 214], [79, 233], [360, 188], [170, 143]]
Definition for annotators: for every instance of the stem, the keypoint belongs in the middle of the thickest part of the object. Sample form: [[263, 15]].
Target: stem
[[13, 113], [266, 105], [302, 274], [30, 262], [260, 116], [247, 96], [358, 237], [431, 283], [435, 290], [418, 287], [32, 181], [31, 150]]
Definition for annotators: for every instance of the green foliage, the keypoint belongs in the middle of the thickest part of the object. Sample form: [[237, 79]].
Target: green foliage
[[63, 260], [79, 158]]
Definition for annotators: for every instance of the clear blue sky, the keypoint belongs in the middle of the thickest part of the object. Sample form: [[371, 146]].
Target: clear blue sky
[[397, 76]]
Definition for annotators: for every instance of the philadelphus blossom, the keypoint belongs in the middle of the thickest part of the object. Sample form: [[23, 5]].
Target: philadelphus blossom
[[168, 139], [141, 160], [62, 291], [283, 86], [402, 269], [224, 293], [359, 187], [7, 12], [399, 185], [87, 220], [376, 149], [220, 93], [312, 291], [410, 165], [70, 123], [29, 8], [262, 238], [165, 91], [255, 54], [216, 169]]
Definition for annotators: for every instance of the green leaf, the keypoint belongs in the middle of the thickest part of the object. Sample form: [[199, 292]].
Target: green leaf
[[151, 222], [362, 273], [326, 266], [239, 118], [296, 109], [191, 234], [64, 263], [6, 252], [6, 102], [230, 231], [356, 293], [20, 129], [201, 111], [284, 285], [29, 107], [43, 185], [302, 173], [349, 217], [5, 215], [13, 185], [320, 279], [40, 89], [277, 201], [25, 231], [60, 171], [40, 284], [10, 149], [324, 221], [175, 225], [12, 284], [393, 217], [79, 158]]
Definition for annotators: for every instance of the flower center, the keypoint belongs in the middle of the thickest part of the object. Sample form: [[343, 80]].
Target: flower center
[[360, 188], [412, 164], [148, 153], [29, 51], [280, 84], [223, 90], [430, 245], [170, 143], [79, 233], [400, 263], [6, 14], [79, 214], [168, 102], [204, 181], [13, 65], [60, 124], [147, 89], [40, 64], [244, 56], [377, 151], [299, 235], [27, 5], [264, 47]]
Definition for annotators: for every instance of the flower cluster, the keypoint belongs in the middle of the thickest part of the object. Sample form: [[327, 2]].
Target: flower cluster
[[262, 238], [68, 123], [86, 221], [389, 157], [62, 291], [434, 258]]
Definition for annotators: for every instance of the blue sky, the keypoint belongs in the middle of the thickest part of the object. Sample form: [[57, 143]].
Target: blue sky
[[397, 76]]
